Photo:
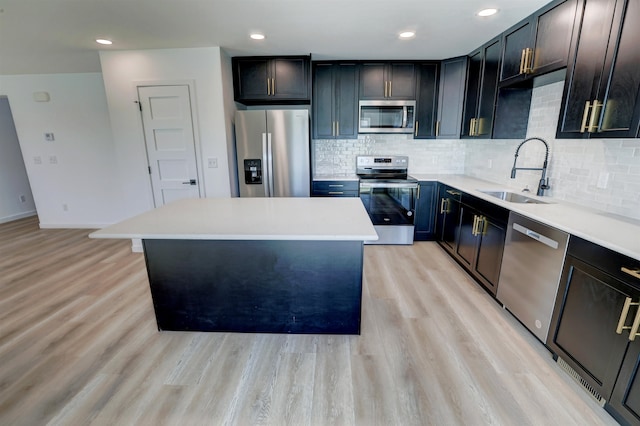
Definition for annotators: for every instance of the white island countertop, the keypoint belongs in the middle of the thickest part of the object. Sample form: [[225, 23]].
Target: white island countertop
[[314, 219]]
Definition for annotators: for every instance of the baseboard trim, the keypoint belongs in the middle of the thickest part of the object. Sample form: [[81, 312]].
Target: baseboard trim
[[18, 216], [73, 225]]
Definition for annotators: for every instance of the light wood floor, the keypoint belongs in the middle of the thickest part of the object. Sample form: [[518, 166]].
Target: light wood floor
[[79, 345]]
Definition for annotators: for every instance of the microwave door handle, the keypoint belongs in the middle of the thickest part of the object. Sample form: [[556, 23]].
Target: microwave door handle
[[404, 117]]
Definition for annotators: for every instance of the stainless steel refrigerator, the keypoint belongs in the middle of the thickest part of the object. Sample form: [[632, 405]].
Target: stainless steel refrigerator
[[272, 147]]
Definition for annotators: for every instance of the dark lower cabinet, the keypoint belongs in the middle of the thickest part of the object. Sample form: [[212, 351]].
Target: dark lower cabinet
[[447, 217], [473, 231], [595, 309], [424, 221], [602, 91], [335, 188], [480, 245]]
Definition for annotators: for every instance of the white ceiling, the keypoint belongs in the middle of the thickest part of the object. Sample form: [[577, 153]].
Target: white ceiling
[[54, 36]]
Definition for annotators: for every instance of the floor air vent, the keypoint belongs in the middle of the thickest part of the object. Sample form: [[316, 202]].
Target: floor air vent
[[574, 374]]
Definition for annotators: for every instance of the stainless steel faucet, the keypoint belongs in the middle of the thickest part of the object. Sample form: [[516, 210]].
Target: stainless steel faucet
[[544, 181]]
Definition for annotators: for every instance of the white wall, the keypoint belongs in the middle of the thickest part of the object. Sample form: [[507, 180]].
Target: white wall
[[202, 67], [78, 168], [14, 183]]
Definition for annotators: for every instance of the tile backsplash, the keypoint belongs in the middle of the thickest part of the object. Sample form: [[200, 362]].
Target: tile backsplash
[[599, 173]]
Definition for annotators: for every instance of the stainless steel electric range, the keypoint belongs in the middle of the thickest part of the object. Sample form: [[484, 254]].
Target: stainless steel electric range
[[389, 195]]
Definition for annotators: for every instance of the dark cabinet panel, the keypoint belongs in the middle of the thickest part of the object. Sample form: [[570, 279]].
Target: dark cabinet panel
[[512, 113], [538, 44], [451, 98], [490, 249], [335, 188], [602, 91], [427, 100], [264, 80], [482, 85], [387, 80], [424, 223], [625, 400], [448, 217], [335, 101]]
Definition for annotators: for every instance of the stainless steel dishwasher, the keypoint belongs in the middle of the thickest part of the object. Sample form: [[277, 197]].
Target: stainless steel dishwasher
[[531, 268]]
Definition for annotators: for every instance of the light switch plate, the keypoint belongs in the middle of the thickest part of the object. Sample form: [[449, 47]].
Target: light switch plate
[[49, 137], [213, 163]]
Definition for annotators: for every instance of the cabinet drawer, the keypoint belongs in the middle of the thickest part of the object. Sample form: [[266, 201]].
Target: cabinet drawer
[[336, 188]]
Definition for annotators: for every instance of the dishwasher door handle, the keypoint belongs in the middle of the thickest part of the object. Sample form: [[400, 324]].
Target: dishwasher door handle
[[534, 235]]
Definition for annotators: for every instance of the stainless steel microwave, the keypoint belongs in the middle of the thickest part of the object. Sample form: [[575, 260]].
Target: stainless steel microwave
[[386, 116]]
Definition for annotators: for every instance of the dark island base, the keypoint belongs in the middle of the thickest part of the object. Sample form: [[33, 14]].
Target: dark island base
[[256, 286]]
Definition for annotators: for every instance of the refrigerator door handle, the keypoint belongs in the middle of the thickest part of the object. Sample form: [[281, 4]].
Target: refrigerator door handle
[[270, 165], [265, 165]]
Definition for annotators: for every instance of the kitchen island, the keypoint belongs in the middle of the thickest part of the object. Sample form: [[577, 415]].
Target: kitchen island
[[276, 265]]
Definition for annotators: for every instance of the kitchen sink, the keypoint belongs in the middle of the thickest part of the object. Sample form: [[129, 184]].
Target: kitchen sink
[[514, 197]]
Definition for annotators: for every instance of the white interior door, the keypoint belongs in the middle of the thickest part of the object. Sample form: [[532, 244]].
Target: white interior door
[[168, 134]]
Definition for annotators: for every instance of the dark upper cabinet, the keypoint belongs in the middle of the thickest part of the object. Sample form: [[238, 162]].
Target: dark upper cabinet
[[335, 101], [387, 80], [602, 91], [482, 84], [264, 80], [539, 44], [426, 100], [424, 229], [451, 97]]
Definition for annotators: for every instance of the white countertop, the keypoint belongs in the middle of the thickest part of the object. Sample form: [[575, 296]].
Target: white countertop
[[614, 232], [314, 219]]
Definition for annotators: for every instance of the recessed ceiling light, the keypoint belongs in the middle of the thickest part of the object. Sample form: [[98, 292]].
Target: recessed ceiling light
[[257, 36], [487, 12], [103, 41], [407, 34]]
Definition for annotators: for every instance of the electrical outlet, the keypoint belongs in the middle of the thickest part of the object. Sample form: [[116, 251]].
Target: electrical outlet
[[53, 159], [213, 163], [49, 137], [37, 160], [23, 199]]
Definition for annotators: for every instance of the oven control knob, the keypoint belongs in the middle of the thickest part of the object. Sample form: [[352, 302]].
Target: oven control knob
[[409, 213]]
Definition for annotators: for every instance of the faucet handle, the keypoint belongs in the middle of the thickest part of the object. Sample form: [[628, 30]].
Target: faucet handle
[[544, 184]]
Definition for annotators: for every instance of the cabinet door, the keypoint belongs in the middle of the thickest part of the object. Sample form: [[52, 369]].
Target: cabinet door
[[467, 242], [451, 98], [425, 212], [515, 42], [426, 101], [473, 92], [490, 250], [323, 101], [402, 81], [625, 399], [251, 78], [488, 90], [291, 78], [584, 70], [585, 318], [553, 37], [346, 106], [372, 81], [447, 218], [620, 114]]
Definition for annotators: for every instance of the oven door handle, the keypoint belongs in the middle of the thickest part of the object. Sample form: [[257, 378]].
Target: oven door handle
[[388, 185]]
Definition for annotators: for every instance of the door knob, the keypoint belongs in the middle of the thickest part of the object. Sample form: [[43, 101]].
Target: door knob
[[190, 182]]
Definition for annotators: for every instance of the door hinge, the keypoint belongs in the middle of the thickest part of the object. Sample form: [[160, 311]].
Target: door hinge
[[149, 167], [139, 105]]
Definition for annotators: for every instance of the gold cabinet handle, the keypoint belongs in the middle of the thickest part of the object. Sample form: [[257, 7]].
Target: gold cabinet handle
[[273, 86], [633, 272], [474, 228], [482, 225], [386, 90], [523, 57], [585, 117], [335, 186], [442, 203], [268, 87], [336, 192], [454, 193], [633, 329], [471, 127], [333, 129], [416, 132], [337, 128], [595, 117], [528, 61], [438, 128], [389, 88]]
